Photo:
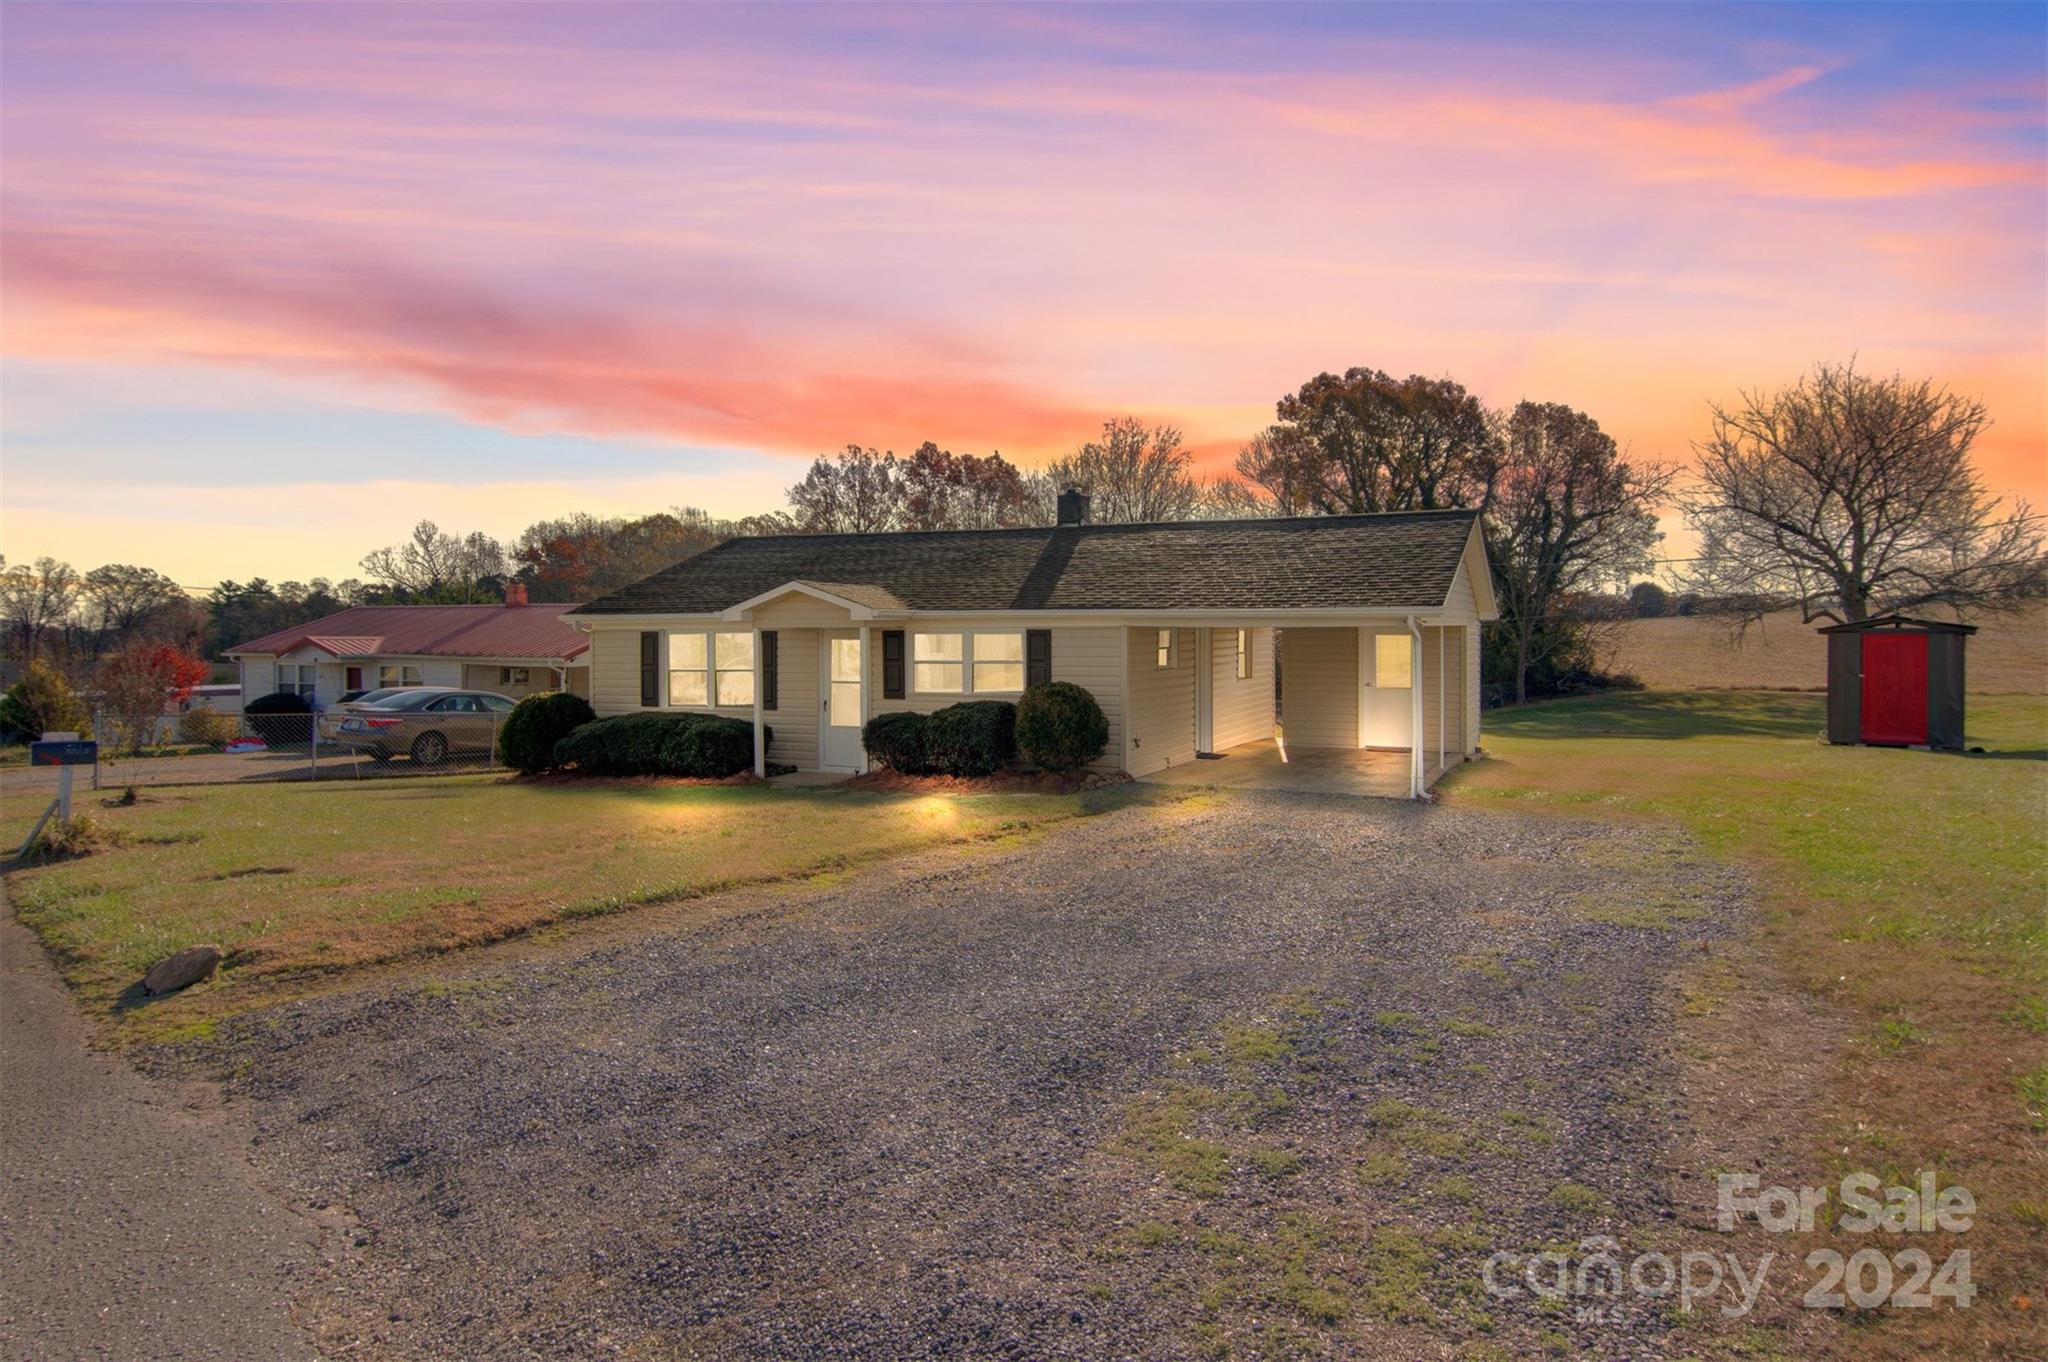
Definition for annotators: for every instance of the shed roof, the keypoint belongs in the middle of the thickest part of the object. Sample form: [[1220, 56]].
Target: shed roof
[[1902, 623], [1405, 560], [481, 631]]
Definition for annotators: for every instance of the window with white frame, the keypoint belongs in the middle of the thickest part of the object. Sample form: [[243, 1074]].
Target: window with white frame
[[732, 658], [1244, 654], [711, 669], [512, 676], [938, 663], [1165, 649], [998, 662], [1391, 661], [391, 675], [689, 669], [295, 678]]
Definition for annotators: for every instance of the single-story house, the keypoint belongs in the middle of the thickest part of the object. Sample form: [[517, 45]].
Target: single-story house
[[1195, 637], [514, 649]]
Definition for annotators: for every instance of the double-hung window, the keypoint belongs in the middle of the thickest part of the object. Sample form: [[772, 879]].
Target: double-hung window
[[1244, 654], [1165, 648], [707, 669], [938, 663], [998, 662], [295, 678], [391, 675], [733, 660]]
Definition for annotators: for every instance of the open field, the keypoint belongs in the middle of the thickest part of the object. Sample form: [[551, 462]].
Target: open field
[[296, 879], [2008, 655], [1907, 892]]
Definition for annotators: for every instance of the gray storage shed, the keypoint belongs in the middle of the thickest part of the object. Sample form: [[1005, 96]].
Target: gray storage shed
[[1896, 682]]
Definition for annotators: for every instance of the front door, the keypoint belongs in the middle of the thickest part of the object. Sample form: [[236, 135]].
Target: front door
[[1387, 708], [839, 671]]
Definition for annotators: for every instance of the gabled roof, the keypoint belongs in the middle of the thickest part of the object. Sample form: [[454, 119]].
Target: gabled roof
[[480, 631], [1400, 561]]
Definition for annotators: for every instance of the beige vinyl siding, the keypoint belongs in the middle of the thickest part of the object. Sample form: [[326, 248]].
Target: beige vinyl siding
[[1090, 658], [1443, 661], [1319, 687], [259, 677], [1461, 608], [615, 671], [1162, 703], [795, 716], [798, 611], [1240, 709]]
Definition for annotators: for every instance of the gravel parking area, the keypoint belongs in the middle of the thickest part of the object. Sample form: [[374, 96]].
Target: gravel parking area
[[1247, 1074]]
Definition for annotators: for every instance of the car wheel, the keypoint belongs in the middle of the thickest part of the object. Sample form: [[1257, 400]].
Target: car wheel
[[430, 749]]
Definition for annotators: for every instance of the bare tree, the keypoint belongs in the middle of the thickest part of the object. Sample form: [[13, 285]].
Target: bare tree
[[860, 492], [1853, 495], [123, 603], [435, 565], [1568, 516], [1133, 474], [36, 598]]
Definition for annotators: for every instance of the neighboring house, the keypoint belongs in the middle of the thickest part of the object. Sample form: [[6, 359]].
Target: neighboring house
[[514, 649], [1178, 630]]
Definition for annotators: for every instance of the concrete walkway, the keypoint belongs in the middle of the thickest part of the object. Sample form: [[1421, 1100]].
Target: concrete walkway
[[129, 1226], [1314, 770]]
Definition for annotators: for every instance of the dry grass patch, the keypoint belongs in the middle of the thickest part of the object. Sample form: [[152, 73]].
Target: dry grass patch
[[1906, 892], [293, 880]]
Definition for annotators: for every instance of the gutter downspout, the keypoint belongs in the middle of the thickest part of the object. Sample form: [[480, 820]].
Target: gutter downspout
[[1417, 786]]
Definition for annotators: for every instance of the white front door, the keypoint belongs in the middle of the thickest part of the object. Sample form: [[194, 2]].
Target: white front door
[[1386, 708], [839, 686]]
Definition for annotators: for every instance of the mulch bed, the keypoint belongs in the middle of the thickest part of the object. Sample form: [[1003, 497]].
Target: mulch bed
[[1002, 782]]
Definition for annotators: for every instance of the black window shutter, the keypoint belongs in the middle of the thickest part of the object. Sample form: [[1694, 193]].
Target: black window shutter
[[892, 664], [1037, 657], [650, 669], [770, 668]]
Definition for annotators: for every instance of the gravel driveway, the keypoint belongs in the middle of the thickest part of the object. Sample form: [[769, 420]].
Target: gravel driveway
[[1250, 1074]]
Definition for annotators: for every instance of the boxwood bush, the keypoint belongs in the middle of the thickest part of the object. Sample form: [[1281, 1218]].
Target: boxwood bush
[[707, 746], [977, 738], [898, 741], [527, 738], [1060, 727]]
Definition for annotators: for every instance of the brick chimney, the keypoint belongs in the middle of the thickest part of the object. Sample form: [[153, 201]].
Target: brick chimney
[[1073, 507], [515, 593]]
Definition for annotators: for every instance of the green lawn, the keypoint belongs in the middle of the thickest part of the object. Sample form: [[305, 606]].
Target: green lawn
[[1907, 891], [294, 878]]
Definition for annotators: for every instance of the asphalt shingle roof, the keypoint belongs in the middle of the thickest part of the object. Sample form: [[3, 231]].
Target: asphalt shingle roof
[[513, 631], [1363, 562]]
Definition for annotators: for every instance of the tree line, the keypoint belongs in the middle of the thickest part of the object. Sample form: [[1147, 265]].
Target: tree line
[[1841, 494]]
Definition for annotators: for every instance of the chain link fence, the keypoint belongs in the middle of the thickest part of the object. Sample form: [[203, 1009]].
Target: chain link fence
[[206, 747]]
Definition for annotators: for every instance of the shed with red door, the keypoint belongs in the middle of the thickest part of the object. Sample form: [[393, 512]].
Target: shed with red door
[[1896, 682]]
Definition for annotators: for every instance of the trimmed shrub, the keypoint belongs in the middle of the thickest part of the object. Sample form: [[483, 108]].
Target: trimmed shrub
[[527, 738], [705, 746], [281, 717], [207, 727], [899, 742], [1060, 727], [42, 702], [977, 738]]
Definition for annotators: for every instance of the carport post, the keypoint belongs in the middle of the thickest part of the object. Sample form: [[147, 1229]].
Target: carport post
[[760, 740], [1417, 770]]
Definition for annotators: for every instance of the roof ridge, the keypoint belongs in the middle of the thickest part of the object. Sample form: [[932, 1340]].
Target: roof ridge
[[1259, 520]]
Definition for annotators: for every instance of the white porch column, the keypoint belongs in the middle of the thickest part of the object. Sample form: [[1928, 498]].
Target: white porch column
[[868, 662], [760, 685], [1417, 771], [1365, 663]]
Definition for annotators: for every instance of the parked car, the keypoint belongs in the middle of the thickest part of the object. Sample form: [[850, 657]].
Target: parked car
[[427, 723], [332, 719]]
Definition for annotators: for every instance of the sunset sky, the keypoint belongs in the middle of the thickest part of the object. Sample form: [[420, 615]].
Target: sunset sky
[[278, 280]]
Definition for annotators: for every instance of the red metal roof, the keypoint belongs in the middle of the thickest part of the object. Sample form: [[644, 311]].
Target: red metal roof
[[492, 631]]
